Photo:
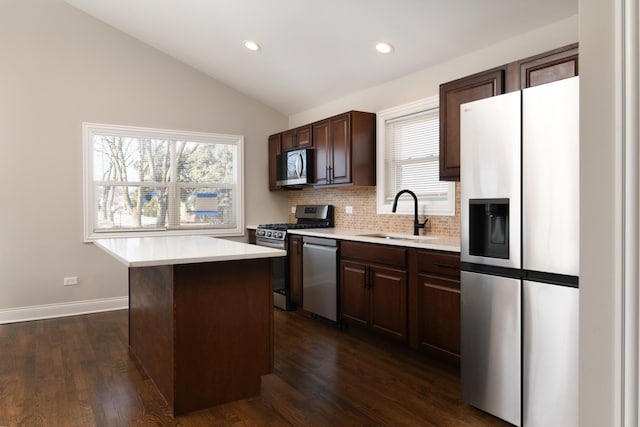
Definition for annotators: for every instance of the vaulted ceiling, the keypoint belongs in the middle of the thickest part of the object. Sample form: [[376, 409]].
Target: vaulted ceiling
[[315, 51]]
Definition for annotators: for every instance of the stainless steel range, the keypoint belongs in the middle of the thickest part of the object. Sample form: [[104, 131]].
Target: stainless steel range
[[275, 236]]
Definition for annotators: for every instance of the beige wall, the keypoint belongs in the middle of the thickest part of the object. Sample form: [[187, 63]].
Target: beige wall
[[61, 67], [422, 84]]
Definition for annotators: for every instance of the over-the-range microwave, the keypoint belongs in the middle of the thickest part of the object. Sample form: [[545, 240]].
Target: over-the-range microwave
[[295, 167]]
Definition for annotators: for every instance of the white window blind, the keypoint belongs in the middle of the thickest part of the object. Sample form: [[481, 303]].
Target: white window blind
[[154, 181], [412, 155], [409, 135]]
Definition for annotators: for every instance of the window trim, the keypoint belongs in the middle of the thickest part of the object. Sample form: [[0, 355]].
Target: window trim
[[405, 204], [90, 129]]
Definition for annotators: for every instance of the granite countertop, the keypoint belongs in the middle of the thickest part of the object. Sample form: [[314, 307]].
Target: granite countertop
[[435, 242], [150, 251]]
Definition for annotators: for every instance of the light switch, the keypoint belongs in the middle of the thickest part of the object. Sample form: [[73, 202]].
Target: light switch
[[348, 209]]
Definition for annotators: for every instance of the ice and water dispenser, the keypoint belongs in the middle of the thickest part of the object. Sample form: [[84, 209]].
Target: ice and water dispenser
[[489, 228]]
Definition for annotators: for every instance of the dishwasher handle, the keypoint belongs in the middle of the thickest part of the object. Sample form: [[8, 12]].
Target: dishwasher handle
[[319, 241], [318, 250]]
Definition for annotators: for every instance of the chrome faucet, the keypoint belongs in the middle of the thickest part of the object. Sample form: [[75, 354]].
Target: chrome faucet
[[416, 225]]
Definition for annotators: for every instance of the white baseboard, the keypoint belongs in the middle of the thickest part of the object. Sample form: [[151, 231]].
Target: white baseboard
[[48, 311]]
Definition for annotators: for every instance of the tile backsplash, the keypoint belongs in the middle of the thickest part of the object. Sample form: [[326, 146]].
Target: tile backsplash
[[364, 216]]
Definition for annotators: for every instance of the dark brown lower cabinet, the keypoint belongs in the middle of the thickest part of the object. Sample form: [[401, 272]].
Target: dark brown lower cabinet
[[295, 269], [436, 304], [374, 295], [439, 326]]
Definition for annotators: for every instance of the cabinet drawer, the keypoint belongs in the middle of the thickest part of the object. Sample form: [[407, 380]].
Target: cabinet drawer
[[442, 263], [379, 254]]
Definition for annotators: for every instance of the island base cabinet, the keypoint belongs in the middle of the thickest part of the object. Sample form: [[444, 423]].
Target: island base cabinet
[[202, 332]]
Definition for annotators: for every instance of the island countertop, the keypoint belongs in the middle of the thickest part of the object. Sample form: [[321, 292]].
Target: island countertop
[[153, 251]]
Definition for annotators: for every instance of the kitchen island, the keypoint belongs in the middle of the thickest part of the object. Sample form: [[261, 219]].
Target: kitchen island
[[200, 315]]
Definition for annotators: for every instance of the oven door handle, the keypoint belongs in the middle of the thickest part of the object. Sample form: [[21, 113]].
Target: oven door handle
[[270, 244]]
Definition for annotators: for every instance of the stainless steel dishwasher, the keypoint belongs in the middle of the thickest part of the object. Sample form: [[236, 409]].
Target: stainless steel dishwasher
[[320, 277]]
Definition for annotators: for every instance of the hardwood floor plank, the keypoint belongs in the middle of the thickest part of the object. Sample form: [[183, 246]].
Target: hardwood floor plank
[[78, 371]]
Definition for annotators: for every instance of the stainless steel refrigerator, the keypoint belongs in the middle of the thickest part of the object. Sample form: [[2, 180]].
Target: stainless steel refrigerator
[[519, 251]]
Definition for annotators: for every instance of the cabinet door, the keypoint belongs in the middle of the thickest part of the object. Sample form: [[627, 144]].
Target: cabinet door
[[439, 315], [452, 95], [288, 140], [295, 269], [388, 289], [340, 167], [296, 138], [549, 67], [362, 150], [275, 148], [321, 142], [303, 137], [354, 295]]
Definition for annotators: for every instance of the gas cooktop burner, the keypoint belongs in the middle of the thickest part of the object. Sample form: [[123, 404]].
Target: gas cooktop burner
[[309, 216]]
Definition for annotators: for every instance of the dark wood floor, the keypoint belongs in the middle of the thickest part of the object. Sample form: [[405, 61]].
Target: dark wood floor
[[77, 371]]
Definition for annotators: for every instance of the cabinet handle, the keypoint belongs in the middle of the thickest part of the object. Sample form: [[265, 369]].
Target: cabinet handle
[[438, 264], [370, 275], [366, 277]]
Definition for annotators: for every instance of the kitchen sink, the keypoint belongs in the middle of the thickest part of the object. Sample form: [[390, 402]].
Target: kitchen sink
[[406, 237]]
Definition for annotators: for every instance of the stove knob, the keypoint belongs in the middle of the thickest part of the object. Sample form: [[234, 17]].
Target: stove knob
[[268, 234], [279, 235]]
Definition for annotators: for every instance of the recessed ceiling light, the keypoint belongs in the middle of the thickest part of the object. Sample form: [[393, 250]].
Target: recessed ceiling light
[[251, 45], [384, 47]]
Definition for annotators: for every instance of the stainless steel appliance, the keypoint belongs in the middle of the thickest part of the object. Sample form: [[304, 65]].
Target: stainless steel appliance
[[490, 289], [275, 236], [550, 235], [320, 277], [519, 290], [295, 167]]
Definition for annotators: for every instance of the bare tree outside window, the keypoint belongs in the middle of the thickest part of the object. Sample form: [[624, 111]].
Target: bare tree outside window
[[147, 183]]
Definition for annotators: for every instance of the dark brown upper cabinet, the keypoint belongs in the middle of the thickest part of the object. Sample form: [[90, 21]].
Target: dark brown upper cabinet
[[345, 149], [297, 138], [275, 149], [452, 95], [540, 69], [549, 67]]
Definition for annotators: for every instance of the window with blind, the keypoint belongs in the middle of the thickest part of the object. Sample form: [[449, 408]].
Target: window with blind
[[141, 181], [408, 158]]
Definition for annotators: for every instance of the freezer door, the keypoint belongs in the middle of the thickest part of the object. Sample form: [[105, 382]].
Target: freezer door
[[490, 149], [550, 363], [550, 170], [490, 359]]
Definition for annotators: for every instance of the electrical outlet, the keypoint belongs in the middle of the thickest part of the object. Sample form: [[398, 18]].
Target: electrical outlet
[[293, 209], [348, 209], [70, 281]]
